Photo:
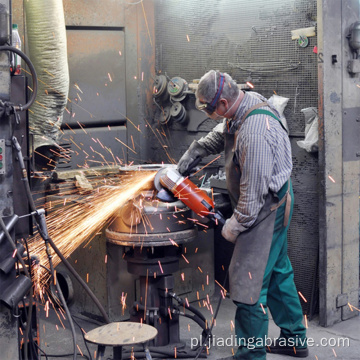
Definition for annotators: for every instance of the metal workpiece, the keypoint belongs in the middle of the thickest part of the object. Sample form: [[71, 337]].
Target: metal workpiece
[[143, 240], [153, 234]]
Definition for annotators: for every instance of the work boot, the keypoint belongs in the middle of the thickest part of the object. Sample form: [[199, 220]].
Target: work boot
[[276, 348]]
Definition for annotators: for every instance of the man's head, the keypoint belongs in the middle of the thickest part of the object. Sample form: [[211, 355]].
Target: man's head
[[216, 94]]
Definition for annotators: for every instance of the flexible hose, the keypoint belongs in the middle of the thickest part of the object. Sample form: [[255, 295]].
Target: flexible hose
[[196, 319], [80, 280], [33, 74], [47, 49], [188, 306]]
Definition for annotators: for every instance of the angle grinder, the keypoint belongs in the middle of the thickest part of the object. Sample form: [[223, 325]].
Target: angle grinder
[[171, 185]]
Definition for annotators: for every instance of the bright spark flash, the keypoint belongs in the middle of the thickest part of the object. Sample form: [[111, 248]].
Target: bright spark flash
[[69, 227]]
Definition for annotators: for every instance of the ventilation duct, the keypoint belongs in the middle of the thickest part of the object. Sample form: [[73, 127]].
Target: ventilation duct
[[47, 49]]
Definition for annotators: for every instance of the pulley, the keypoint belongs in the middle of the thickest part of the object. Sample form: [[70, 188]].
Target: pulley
[[178, 113], [165, 115], [160, 88], [177, 88]]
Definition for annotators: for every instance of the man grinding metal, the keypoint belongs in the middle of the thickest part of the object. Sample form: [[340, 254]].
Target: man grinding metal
[[258, 167]]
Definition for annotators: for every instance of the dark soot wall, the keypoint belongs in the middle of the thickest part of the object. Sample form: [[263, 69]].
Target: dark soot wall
[[251, 40]]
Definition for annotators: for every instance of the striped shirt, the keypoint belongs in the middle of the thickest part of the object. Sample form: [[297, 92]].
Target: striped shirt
[[263, 154]]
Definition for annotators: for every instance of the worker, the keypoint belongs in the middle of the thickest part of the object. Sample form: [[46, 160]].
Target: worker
[[258, 165]]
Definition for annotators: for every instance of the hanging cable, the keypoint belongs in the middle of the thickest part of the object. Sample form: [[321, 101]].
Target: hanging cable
[[29, 314], [214, 318], [41, 218], [33, 75]]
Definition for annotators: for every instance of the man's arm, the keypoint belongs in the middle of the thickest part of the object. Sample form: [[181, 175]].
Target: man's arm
[[212, 143]]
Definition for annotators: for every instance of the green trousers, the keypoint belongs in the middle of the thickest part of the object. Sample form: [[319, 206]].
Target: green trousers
[[278, 293]]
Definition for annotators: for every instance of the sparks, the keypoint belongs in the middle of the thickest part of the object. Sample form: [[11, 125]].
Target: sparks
[[250, 85], [188, 39], [161, 269], [267, 123], [262, 307], [302, 296], [76, 223], [353, 307], [332, 179]]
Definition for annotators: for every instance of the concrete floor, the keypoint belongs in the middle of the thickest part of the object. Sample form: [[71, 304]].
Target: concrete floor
[[343, 339]]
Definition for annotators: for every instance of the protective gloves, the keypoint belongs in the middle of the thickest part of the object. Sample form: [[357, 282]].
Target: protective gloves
[[192, 153], [232, 229]]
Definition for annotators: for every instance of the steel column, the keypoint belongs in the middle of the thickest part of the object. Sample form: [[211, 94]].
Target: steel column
[[9, 336], [339, 184]]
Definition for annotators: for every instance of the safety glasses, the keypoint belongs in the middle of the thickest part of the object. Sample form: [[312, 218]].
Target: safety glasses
[[209, 108], [205, 107]]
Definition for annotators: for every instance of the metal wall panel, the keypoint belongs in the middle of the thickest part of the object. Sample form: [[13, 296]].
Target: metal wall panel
[[90, 147], [97, 77], [94, 12], [251, 43]]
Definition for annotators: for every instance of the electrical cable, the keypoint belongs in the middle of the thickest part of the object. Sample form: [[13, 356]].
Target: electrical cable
[[85, 342], [32, 343], [38, 347], [164, 354], [40, 218], [80, 280], [29, 314], [33, 74], [61, 295], [214, 318], [66, 355], [42, 228], [6, 107]]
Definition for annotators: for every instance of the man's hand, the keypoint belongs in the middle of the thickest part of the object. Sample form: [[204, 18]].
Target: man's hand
[[195, 151], [232, 229]]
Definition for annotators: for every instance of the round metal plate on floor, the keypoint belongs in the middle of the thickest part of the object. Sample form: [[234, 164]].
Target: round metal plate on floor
[[121, 333]]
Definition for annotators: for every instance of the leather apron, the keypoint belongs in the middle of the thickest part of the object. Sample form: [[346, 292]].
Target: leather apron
[[252, 247]]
